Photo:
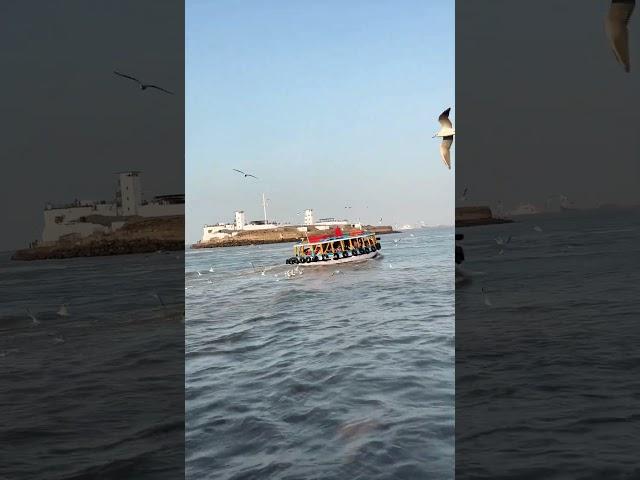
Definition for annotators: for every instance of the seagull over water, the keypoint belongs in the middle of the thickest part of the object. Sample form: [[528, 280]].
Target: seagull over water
[[616, 25], [245, 174], [33, 318], [259, 268], [485, 298], [143, 86], [446, 132]]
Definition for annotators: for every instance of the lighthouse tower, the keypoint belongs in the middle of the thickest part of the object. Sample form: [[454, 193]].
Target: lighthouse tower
[[308, 216], [240, 220], [130, 192]]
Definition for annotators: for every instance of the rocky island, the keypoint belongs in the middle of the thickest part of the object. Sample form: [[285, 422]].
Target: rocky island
[[285, 234], [137, 235], [474, 216]]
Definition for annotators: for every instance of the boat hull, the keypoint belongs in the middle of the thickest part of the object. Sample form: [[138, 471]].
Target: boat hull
[[352, 259]]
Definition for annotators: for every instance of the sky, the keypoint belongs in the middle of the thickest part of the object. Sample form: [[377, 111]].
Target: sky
[[330, 104], [68, 123], [544, 109]]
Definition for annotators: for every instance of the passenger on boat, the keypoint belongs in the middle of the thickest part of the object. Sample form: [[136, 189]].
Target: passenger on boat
[[338, 232], [459, 250]]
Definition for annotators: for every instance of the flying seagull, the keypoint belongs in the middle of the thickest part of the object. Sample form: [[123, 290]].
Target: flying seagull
[[143, 86], [485, 297], [446, 132], [245, 174], [63, 311], [33, 318], [502, 241], [259, 268], [616, 23]]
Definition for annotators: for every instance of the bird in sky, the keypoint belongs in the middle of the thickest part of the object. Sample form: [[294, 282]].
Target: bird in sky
[[245, 174], [143, 86], [616, 25], [446, 132]]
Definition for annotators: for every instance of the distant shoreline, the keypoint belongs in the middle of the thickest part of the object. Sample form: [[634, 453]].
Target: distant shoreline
[[477, 216], [479, 222], [146, 235], [279, 235]]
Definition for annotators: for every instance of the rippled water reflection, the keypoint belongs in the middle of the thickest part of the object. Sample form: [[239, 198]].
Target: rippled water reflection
[[547, 372], [339, 372]]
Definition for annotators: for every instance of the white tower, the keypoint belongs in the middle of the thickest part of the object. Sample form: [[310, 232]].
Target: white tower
[[240, 220], [308, 216], [130, 192], [264, 206]]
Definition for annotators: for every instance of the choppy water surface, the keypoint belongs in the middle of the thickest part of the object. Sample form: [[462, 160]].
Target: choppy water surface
[[547, 359], [98, 392], [338, 372]]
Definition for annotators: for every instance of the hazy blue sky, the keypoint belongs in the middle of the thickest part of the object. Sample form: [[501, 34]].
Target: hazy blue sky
[[68, 123], [330, 104], [544, 106]]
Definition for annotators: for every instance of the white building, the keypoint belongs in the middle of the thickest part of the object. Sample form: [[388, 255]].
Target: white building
[[240, 220], [330, 222], [221, 230], [308, 216], [129, 193], [83, 218]]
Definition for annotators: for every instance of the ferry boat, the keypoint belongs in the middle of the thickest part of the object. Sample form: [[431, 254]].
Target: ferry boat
[[525, 209], [336, 248]]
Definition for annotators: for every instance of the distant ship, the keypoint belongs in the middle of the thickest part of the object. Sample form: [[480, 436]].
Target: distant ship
[[406, 227], [525, 209], [565, 204], [564, 208]]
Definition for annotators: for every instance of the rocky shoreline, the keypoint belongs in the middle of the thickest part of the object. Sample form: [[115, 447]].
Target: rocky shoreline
[[477, 216], [98, 249], [146, 235], [477, 223]]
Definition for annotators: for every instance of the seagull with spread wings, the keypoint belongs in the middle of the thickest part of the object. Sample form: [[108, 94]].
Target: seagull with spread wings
[[446, 132], [143, 86], [616, 24], [245, 174]]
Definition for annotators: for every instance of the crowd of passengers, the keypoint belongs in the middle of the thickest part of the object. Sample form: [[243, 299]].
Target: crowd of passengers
[[337, 247]]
